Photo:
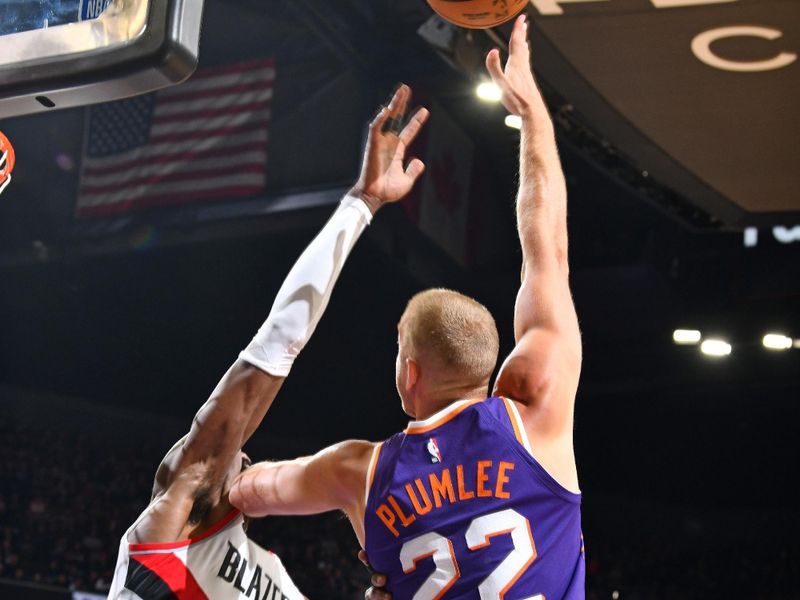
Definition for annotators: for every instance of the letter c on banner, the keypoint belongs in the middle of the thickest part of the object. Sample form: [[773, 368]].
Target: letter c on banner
[[701, 46]]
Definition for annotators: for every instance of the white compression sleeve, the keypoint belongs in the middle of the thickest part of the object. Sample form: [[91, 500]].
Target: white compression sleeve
[[304, 294]]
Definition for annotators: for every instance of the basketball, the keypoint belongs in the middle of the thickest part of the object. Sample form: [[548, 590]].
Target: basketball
[[477, 14]]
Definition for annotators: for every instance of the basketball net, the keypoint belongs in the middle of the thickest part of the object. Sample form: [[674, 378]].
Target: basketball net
[[7, 159]]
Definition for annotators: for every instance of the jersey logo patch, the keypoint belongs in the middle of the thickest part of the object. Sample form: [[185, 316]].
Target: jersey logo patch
[[433, 450]]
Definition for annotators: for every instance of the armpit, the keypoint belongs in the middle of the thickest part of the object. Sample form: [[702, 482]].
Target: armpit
[[203, 503]]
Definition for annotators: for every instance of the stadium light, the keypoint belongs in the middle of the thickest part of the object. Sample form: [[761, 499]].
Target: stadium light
[[715, 348], [777, 341], [686, 336], [514, 121], [488, 92]]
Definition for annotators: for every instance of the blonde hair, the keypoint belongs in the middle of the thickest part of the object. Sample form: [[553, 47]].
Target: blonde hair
[[454, 331]]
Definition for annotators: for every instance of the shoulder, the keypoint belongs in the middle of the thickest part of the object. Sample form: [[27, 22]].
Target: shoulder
[[348, 463], [350, 454]]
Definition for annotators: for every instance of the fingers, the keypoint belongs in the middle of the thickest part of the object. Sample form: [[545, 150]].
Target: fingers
[[362, 556], [413, 126], [495, 68], [376, 592], [373, 594], [518, 51], [397, 106], [380, 119], [519, 36], [395, 109], [377, 581], [415, 169]]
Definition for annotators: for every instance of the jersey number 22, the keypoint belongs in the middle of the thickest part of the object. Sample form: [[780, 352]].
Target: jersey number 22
[[479, 535]]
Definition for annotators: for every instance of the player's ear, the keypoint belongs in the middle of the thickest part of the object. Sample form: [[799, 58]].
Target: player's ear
[[412, 372]]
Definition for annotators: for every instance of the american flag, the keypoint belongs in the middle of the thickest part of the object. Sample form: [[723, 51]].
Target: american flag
[[201, 140]]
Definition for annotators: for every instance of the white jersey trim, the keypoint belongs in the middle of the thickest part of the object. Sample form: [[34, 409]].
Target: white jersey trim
[[439, 418], [523, 433]]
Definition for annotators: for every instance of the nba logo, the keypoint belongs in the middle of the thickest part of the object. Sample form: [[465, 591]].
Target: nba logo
[[433, 450]]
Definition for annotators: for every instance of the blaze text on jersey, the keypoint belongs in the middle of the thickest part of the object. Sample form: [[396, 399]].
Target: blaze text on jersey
[[250, 581], [486, 479]]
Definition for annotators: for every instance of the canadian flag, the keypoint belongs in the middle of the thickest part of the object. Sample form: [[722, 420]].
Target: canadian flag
[[444, 203]]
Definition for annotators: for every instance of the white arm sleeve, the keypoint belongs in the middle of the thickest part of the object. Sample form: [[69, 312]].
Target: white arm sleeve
[[304, 294]]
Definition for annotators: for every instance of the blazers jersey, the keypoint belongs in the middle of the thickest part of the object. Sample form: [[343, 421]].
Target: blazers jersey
[[457, 507], [221, 564]]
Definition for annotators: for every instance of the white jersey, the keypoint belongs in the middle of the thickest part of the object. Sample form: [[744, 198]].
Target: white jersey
[[221, 564]]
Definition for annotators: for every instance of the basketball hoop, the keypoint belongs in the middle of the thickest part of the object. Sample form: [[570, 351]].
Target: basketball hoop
[[6, 161]]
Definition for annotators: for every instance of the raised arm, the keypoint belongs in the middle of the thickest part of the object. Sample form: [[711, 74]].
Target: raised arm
[[542, 372], [190, 484], [335, 477], [197, 473], [194, 479]]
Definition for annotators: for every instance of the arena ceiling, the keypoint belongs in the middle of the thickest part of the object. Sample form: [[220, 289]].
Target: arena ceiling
[[695, 97]]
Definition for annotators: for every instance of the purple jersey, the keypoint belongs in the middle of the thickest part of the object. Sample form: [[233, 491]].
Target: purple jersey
[[457, 507]]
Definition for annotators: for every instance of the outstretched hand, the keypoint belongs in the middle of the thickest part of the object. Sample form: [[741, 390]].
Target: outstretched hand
[[520, 94], [384, 178]]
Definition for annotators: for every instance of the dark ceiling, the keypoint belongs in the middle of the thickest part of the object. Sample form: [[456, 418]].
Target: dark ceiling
[[149, 311]]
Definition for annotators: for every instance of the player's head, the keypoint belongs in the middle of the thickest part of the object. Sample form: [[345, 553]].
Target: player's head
[[446, 340]]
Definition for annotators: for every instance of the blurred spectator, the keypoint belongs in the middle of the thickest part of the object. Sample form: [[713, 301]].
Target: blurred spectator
[[65, 502]]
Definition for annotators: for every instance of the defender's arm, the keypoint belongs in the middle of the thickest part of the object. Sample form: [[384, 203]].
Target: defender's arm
[[190, 481], [542, 371], [197, 470], [242, 397], [244, 394], [220, 428]]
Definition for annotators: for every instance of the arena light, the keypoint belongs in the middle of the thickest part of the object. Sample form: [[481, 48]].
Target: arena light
[[715, 348], [488, 92], [777, 341], [686, 336], [513, 121]]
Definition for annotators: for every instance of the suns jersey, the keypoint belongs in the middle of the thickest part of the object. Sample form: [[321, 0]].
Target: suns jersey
[[457, 507], [221, 564]]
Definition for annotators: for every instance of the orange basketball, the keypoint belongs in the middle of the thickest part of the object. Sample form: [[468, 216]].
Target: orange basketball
[[478, 14]]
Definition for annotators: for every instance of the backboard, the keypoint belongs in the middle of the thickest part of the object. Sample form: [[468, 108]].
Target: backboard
[[64, 53]]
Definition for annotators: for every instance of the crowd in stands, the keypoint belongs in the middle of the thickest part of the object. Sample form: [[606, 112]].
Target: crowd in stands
[[66, 499]]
